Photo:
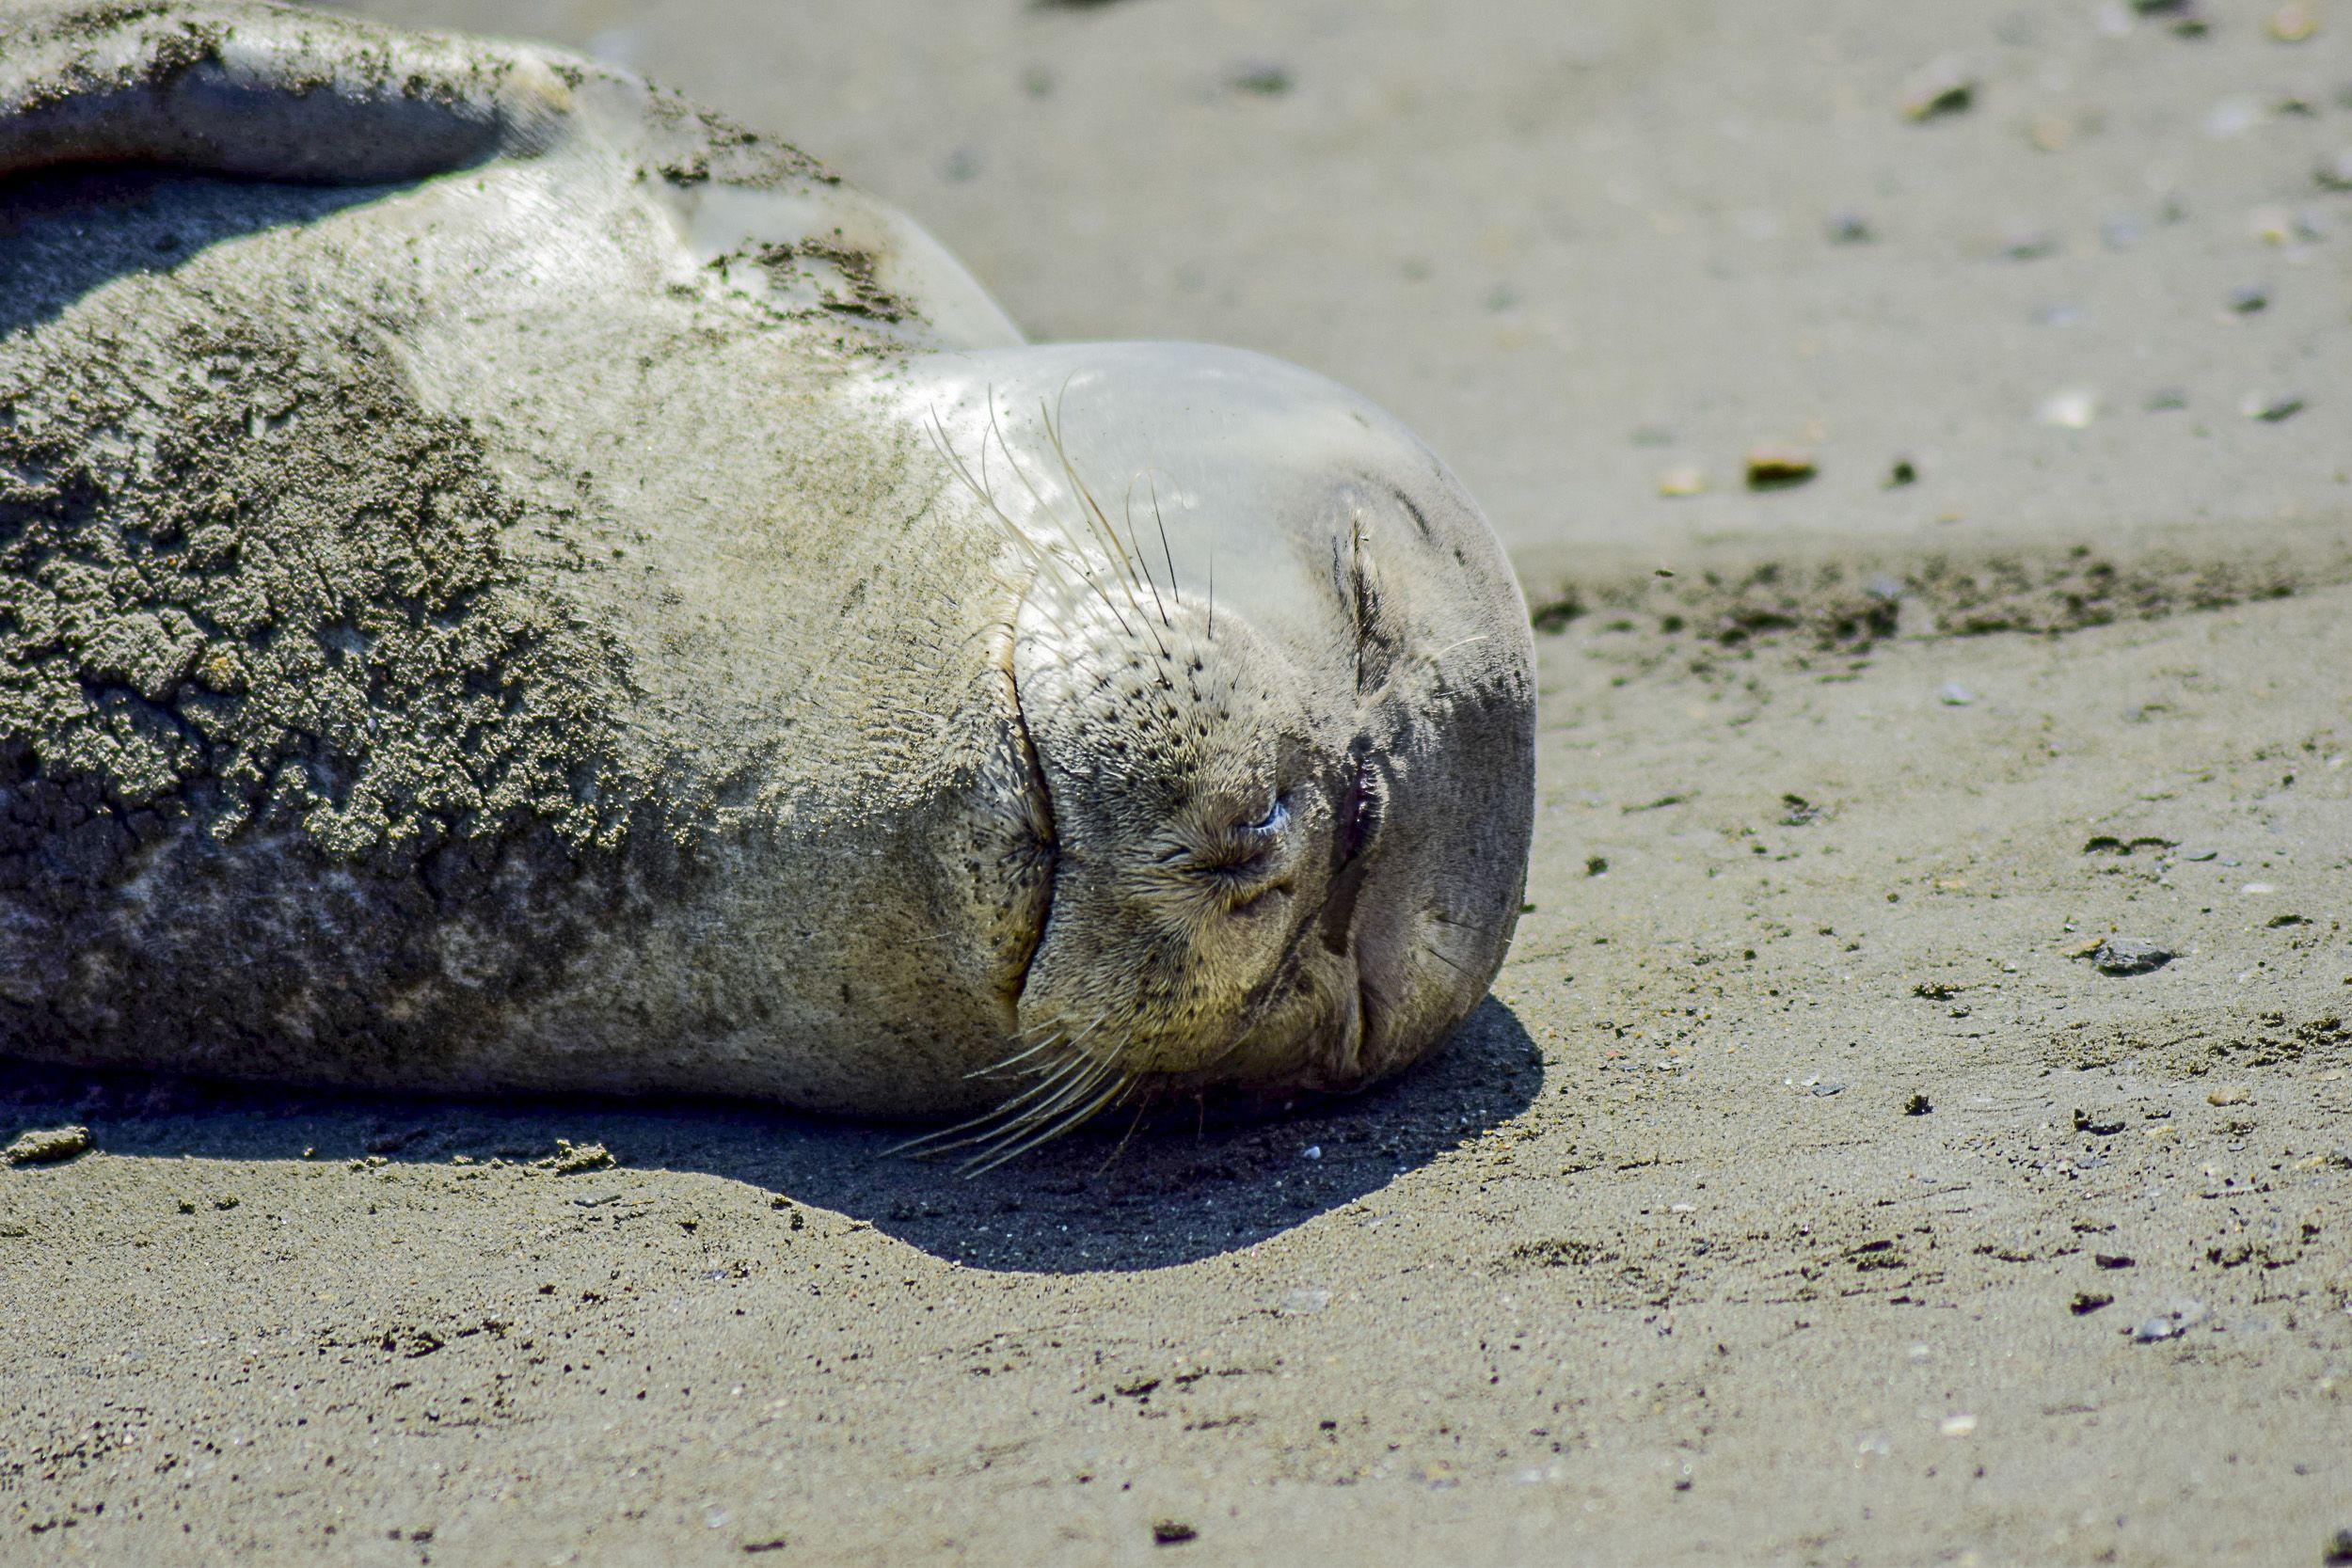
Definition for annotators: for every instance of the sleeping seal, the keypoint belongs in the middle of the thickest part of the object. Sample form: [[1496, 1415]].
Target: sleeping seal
[[510, 581]]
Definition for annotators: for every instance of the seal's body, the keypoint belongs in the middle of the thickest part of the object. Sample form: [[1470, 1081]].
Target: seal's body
[[507, 581]]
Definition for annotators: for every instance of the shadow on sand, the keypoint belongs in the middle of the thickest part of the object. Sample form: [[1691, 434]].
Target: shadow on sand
[[1188, 1180]]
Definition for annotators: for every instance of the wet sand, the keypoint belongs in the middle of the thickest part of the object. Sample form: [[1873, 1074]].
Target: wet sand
[[1815, 1188]]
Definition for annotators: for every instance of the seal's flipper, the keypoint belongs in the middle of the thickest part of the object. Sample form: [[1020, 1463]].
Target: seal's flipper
[[271, 91], [263, 91]]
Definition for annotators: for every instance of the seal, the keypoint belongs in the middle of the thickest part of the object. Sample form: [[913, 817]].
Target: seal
[[508, 580]]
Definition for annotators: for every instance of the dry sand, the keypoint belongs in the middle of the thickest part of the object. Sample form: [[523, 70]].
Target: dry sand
[[1807, 1193]]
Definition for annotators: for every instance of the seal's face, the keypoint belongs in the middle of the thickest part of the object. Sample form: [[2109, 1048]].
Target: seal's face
[[1276, 678]]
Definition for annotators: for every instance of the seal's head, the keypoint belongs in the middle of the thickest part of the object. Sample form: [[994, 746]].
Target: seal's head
[[1277, 679]]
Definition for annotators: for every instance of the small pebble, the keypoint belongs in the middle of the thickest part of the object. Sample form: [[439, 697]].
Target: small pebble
[[2051, 132], [2271, 225], [2170, 1324], [2088, 1302], [571, 1158], [1172, 1532], [2294, 22], [1944, 87], [1955, 696], [2338, 1551], [1958, 1426], [2249, 299], [1776, 467], [2130, 955], [1918, 1105], [1263, 78], [1904, 472], [2073, 409], [2029, 245], [2336, 173], [1822, 1091], [1848, 229], [2269, 408], [47, 1146], [2229, 1093], [2231, 116], [1682, 481]]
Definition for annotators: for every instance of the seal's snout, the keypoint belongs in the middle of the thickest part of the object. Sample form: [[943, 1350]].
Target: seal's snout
[[1189, 828]]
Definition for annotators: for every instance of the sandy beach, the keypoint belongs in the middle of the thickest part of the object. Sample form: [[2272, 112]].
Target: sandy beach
[[1914, 1123]]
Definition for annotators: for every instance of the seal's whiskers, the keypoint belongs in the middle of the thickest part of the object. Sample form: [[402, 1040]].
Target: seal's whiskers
[[1092, 514], [1069, 573], [1070, 1087], [1048, 1090], [1046, 507], [1118, 1085]]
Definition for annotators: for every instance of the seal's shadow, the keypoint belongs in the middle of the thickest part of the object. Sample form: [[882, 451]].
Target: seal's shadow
[[1187, 1181], [66, 232], [1193, 1180]]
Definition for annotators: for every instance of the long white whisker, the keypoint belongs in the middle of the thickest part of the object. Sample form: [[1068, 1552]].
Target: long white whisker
[[1069, 1123], [945, 1138], [1213, 532], [1016, 1058], [1129, 508], [1098, 520], [1054, 426], [1142, 1104], [1451, 646], [1103, 524], [1165, 554], [1046, 559], [1047, 509], [1067, 1089]]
